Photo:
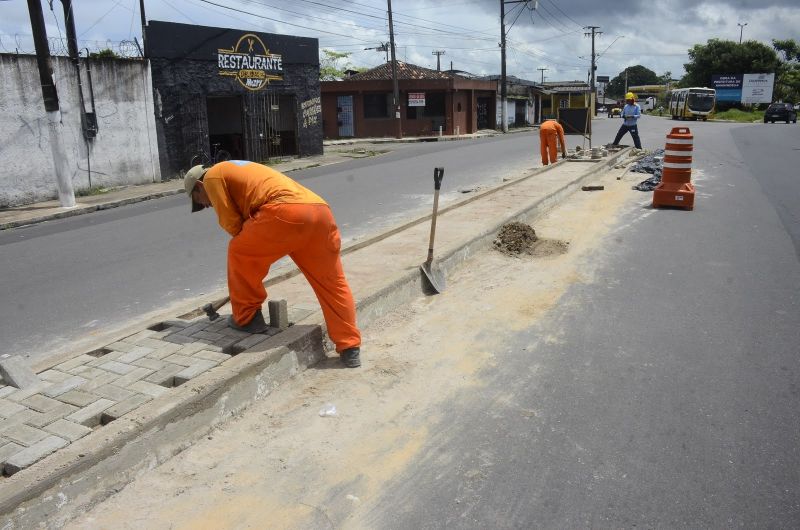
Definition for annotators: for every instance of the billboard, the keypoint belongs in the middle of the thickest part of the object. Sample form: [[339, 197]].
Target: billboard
[[744, 88]]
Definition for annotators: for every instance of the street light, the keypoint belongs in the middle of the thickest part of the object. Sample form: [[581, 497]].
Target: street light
[[741, 30]]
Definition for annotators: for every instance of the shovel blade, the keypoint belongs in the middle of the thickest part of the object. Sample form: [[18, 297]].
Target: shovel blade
[[433, 280]]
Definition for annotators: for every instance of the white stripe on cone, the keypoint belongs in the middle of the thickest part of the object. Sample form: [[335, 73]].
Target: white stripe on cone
[[679, 141], [670, 152], [673, 165]]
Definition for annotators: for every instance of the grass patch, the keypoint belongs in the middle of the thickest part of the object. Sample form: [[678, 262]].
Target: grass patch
[[743, 116], [94, 190], [363, 153]]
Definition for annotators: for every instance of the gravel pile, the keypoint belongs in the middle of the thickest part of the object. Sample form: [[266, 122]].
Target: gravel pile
[[653, 164]]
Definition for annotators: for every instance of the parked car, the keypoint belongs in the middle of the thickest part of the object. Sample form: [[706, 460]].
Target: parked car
[[616, 111], [780, 112]]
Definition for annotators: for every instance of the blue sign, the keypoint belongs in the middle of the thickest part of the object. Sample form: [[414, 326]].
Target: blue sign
[[729, 87]]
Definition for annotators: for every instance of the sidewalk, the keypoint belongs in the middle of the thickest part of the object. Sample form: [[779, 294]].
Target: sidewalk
[[48, 210], [97, 419]]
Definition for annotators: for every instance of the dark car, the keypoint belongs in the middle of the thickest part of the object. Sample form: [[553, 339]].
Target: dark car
[[780, 112]]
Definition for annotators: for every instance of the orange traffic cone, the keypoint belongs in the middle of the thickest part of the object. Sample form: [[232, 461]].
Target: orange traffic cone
[[676, 188]]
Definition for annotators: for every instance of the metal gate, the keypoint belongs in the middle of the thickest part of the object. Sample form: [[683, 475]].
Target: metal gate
[[270, 126], [344, 115], [194, 129]]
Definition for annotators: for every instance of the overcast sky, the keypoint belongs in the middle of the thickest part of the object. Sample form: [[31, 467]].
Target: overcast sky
[[655, 33]]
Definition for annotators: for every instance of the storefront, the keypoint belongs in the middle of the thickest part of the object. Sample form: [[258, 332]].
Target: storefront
[[255, 95]]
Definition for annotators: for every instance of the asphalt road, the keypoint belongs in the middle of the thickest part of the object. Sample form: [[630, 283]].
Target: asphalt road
[[671, 399], [65, 281]]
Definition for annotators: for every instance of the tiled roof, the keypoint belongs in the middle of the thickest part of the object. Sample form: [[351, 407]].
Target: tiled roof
[[404, 71]]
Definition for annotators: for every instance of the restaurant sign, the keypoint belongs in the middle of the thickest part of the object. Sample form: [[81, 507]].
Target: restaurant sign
[[250, 62]]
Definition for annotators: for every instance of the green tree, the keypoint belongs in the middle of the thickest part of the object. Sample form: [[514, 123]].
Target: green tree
[[787, 82], [106, 53], [333, 64], [727, 57], [637, 75]]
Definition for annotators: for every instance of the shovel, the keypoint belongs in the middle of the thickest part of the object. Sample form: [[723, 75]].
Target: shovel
[[433, 281]]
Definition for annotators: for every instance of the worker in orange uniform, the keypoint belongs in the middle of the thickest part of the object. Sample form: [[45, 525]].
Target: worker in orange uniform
[[549, 131], [271, 216]]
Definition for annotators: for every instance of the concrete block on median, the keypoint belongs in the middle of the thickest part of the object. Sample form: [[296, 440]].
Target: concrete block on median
[[41, 403], [78, 398], [33, 454], [124, 407], [8, 450], [148, 388], [199, 366], [57, 389], [44, 418], [16, 372], [9, 408], [22, 434], [117, 367], [278, 314], [90, 416], [162, 377], [68, 430]]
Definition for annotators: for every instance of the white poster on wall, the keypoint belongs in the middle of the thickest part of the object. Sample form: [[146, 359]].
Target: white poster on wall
[[757, 88]]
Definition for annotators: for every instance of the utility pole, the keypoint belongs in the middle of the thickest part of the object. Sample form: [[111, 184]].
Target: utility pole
[[438, 54], [543, 70], [396, 90], [503, 88], [741, 30], [66, 194], [593, 93], [144, 24]]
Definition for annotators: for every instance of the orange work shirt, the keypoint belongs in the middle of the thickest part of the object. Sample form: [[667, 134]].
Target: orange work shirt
[[238, 188], [553, 127]]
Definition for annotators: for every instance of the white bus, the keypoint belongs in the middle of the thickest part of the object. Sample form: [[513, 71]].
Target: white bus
[[692, 103]]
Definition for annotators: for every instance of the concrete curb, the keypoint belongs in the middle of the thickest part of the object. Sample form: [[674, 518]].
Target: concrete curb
[[55, 489]]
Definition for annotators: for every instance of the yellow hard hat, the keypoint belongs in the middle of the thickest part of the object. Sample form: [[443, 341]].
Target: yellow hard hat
[[630, 95]]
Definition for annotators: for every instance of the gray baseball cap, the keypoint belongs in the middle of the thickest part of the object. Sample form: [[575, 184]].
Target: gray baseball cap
[[189, 181]]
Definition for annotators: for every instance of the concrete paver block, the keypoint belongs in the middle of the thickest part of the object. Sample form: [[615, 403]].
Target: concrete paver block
[[148, 388], [177, 338], [162, 377], [22, 434], [200, 366], [41, 403], [118, 367], [183, 360], [212, 356], [45, 418], [167, 349], [137, 374], [55, 376], [251, 341], [191, 349], [149, 363], [90, 416], [136, 353], [8, 408], [7, 450], [114, 392], [78, 398], [151, 343], [33, 454], [124, 407], [121, 346], [278, 314], [104, 379], [6, 390], [67, 430], [16, 372], [57, 389], [73, 363]]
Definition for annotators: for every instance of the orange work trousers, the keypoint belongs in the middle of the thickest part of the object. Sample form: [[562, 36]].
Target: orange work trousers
[[547, 141], [308, 234]]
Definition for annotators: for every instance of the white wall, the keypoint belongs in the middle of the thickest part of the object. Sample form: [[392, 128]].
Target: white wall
[[124, 152]]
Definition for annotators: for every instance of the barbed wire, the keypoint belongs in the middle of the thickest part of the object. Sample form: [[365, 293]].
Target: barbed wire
[[23, 44]]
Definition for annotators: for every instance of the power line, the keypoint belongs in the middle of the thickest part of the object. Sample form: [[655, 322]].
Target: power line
[[566, 15]]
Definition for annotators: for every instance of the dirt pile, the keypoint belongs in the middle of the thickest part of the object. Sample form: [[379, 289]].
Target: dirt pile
[[518, 238]]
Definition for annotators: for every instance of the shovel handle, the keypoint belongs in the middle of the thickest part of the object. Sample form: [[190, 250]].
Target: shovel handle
[[438, 175]]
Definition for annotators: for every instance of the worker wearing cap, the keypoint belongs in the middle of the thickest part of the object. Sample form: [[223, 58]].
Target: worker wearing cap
[[271, 216], [630, 116], [551, 132]]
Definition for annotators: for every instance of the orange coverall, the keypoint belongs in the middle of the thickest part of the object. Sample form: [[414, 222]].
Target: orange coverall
[[270, 216], [549, 131]]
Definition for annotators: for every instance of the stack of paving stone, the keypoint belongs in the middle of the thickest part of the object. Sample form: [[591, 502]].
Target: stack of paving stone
[[71, 399]]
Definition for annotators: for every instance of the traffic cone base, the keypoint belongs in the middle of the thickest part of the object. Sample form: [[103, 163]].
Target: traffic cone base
[[675, 195]]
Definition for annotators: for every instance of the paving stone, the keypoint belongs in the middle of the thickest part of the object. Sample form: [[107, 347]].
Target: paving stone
[[207, 335], [68, 430], [197, 326], [124, 407], [148, 388], [57, 389], [78, 398], [28, 416], [134, 354], [177, 338], [104, 379], [212, 356], [8, 408], [200, 366], [41, 403], [152, 364], [234, 333], [73, 363], [118, 367], [278, 314], [137, 337], [55, 376], [176, 358], [88, 372], [100, 361], [8, 449], [44, 418], [191, 349], [135, 375], [33, 454], [166, 349], [179, 324], [151, 343], [251, 341], [17, 372], [162, 377], [90, 416], [6, 390], [22, 434], [24, 393], [121, 346], [114, 392]]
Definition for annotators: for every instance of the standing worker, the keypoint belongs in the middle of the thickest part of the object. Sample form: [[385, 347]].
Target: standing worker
[[271, 216], [630, 115], [549, 131]]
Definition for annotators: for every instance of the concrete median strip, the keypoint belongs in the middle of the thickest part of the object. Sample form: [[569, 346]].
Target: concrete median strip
[[132, 404]]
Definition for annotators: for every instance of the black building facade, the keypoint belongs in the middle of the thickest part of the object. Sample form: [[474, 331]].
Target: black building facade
[[255, 95]]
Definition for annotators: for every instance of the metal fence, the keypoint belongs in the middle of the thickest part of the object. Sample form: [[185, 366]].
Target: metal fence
[[23, 44]]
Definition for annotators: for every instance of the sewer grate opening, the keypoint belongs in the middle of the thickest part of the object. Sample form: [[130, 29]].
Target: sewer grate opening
[[105, 419], [168, 383], [100, 352], [161, 326], [233, 350]]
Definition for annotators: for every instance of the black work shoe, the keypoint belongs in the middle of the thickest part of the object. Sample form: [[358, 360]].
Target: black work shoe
[[351, 357], [256, 325]]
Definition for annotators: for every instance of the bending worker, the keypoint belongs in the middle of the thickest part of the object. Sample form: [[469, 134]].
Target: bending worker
[[271, 216], [548, 132], [630, 115]]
